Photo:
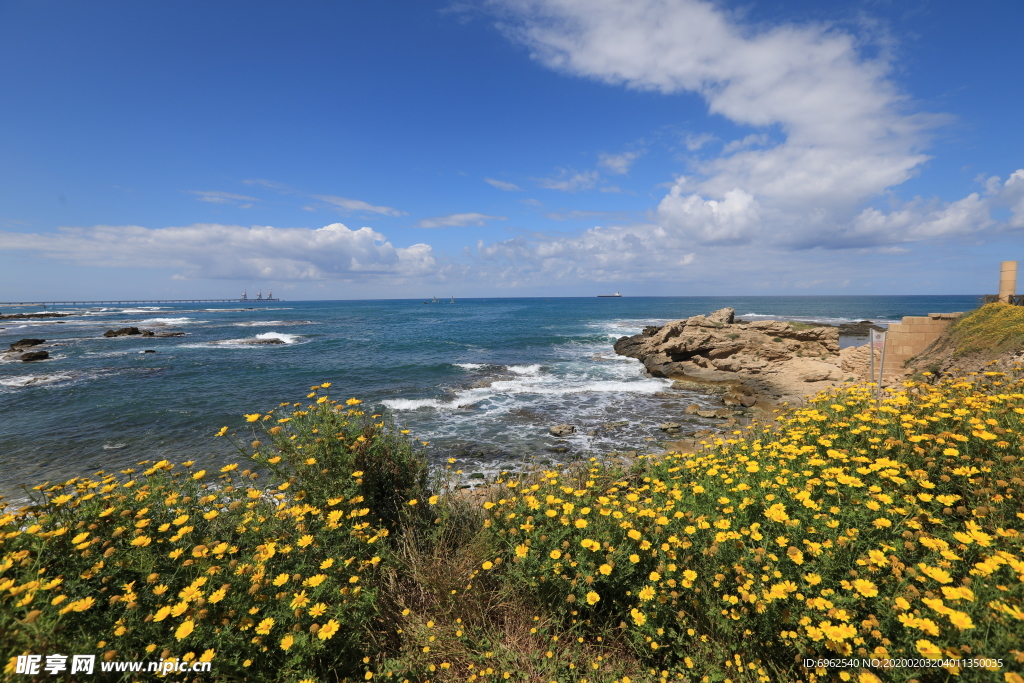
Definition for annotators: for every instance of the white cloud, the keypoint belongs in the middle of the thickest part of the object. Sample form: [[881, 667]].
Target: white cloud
[[733, 220], [231, 251], [458, 220], [619, 163], [215, 197], [356, 205], [569, 181], [847, 135], [695, 142], [502, 185], [749, 141]]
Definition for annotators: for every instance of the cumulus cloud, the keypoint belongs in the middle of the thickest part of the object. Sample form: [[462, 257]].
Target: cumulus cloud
[[212, 250], [733, 220], [502, 185], [458, 220], [832, 133]]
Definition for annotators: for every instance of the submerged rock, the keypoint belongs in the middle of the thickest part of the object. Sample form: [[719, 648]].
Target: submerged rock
[[33, 355], [562, 430]]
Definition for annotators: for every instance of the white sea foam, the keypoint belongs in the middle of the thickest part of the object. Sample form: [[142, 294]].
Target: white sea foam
[[19, 381], [524, 369], [114, 446], [141, 309], [168, 321], [470, 366], [286, 338]]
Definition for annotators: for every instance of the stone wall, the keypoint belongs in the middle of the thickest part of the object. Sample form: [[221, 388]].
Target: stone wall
[[906, 339]]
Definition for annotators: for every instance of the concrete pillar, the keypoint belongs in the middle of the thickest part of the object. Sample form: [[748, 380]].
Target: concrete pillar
[[1007, 280]]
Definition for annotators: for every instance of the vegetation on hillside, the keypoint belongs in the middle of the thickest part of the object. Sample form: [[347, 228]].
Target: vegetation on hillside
[[992, 329], [851, 529]]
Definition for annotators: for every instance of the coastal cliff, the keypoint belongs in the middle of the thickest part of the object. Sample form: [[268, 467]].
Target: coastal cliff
[[774, 359]]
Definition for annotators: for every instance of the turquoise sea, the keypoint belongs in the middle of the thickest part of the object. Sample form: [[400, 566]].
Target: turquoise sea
[[480, 380]]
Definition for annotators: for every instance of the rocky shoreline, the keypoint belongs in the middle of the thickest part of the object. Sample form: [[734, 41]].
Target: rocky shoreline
[[760, 363]]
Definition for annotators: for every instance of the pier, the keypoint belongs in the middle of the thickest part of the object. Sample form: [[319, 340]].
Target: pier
[[135, 302]]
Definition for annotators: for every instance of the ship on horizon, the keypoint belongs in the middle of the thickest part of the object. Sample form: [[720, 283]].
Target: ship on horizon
[[608, 296]]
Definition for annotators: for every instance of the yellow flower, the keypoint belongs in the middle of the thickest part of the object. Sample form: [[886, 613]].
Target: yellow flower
[[592, 598], [253, 417], [929, 649], [327, 564], [281, 579], [487, 565], [432, 500], [218, 595], [162, 613], [265, 626], [185, 629], [413, 501], [865, 588], [638, 617], [522, 550], [328, 630], [317, 609], [208, 655], [305, 541], [581, 523], [634, 534], [315, 580], [222, 432], [353, 402], [654, 576], [287, 641], [141, 541], [555, 554], [605, 569], [646, 593], [199, 475], [634, 558]]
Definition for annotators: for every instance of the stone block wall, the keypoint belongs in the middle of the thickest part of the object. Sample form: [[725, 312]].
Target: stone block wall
[[910, 337]]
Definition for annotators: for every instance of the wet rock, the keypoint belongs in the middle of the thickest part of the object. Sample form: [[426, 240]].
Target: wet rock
[[670, 426], [169, 334], [562, 430], [692, 409], [615, 425], [33, 355], [149, 351], [22, 344], [123, 332], [33, 316]]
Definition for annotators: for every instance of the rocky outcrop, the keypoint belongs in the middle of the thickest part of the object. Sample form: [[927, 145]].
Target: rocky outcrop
[[562, 430], [33, 316], [33, 356], [768, 356], [23, 344], [126, 332]]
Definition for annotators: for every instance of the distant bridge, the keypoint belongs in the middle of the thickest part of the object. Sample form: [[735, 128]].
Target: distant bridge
[[134, 302]]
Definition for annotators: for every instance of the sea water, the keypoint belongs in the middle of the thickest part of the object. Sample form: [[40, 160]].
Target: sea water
[[479, 380]]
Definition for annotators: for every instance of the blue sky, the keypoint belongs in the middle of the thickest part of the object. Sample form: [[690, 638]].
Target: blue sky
[[333, 150]]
